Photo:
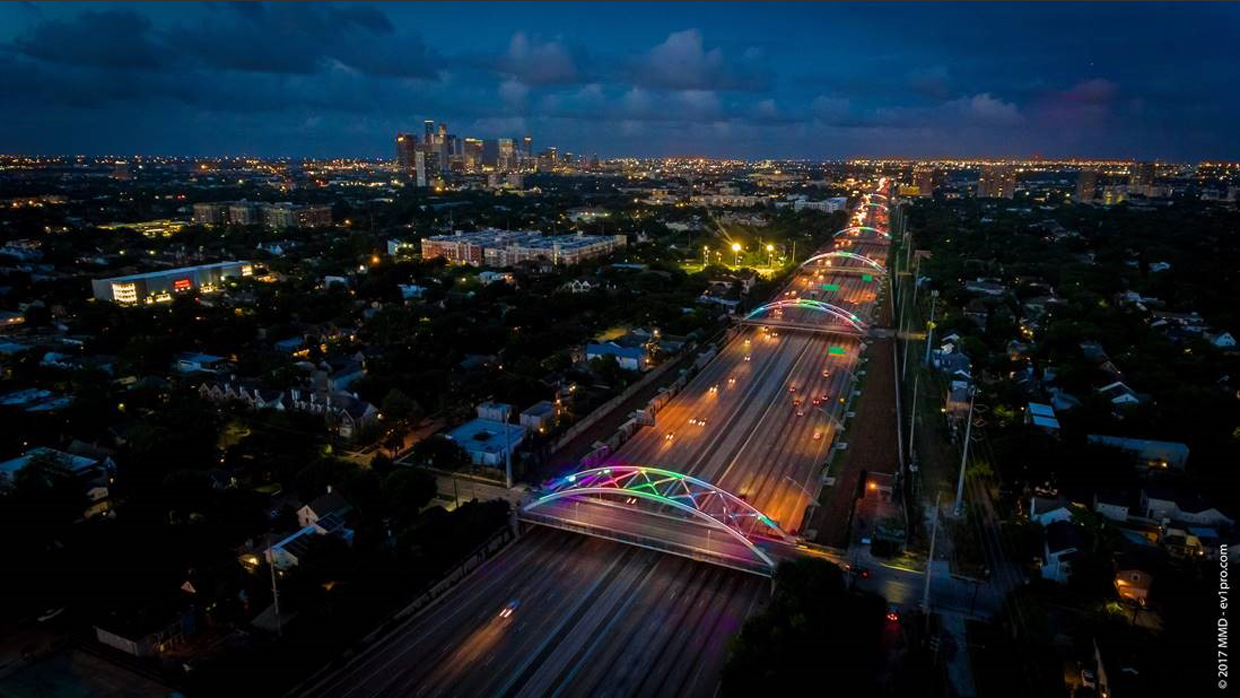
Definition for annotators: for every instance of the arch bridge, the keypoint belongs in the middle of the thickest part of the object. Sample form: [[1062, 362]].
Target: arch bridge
[[859, 228], [663, 510], [840, 254], [845, 321]]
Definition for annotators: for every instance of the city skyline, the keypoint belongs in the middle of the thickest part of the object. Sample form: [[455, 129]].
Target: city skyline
[[743, 81]]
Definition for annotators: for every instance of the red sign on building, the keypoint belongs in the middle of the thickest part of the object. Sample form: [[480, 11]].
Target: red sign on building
[[182, 284]]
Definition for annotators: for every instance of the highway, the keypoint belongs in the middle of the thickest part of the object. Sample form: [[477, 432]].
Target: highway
[[596, 617]]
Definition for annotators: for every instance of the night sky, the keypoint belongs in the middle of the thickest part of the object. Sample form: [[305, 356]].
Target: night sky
[[729, 79]]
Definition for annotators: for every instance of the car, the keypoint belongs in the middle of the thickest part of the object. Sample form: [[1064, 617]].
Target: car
[[714, 388], [701, 422], [792, 388], [800, 412], [825, 373], [669, 436], [893, 613], [816, 401], [748, 357], [818, 436], [826, 398], [796, 402], [1088, 678], [509, 608], [732, 380], [747, 341], [860, 571]]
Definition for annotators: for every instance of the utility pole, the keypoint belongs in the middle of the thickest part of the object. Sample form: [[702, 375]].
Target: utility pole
[[913, 414], [964, 457], [934, 295], [934, 531], [275, 593]]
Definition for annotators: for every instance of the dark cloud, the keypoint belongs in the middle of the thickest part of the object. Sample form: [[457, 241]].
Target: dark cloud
[[105, 39], [733, 80], [303, 39]]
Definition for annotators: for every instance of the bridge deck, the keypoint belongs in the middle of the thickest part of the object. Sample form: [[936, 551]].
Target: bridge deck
[[840, 329], [644, 528]]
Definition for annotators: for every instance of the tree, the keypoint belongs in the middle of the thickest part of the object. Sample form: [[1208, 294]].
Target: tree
[[399, 406], [439, 451], [811, 621], [406, 491]]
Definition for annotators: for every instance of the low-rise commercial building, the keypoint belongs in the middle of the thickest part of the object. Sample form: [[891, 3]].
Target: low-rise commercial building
[[162, 285]]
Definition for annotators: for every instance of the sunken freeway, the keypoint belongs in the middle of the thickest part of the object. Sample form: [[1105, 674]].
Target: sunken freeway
[[563, 614]]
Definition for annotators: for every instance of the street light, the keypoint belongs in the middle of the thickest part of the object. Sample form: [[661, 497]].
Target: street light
[[736, 247], [770, 255]]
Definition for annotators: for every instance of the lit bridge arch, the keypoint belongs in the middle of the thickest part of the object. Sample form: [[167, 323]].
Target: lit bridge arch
[[715, 507], [808, 304], [845, 255], [851, 228]]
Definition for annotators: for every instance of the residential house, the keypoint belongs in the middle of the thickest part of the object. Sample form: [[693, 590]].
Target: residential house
[[411, 291], [1113, 505], [539, 417], [988, 287], [1119, 394], [1046, 510], [1222, 340], [956, 402], [345, 413], [630, 358], [1062, 545], [147, 633], [1041, 416], [1133, 585], [330, 504], [1167, 504], [580, 286], [93, 474], [194, 362], [1156, 455], [494, 411]]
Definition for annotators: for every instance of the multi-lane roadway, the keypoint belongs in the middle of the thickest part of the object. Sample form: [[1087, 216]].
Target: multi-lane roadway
[[562, 614]]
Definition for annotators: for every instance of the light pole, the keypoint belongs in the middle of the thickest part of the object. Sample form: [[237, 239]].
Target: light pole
[[736, 247], [507, 448], [770, 255]]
